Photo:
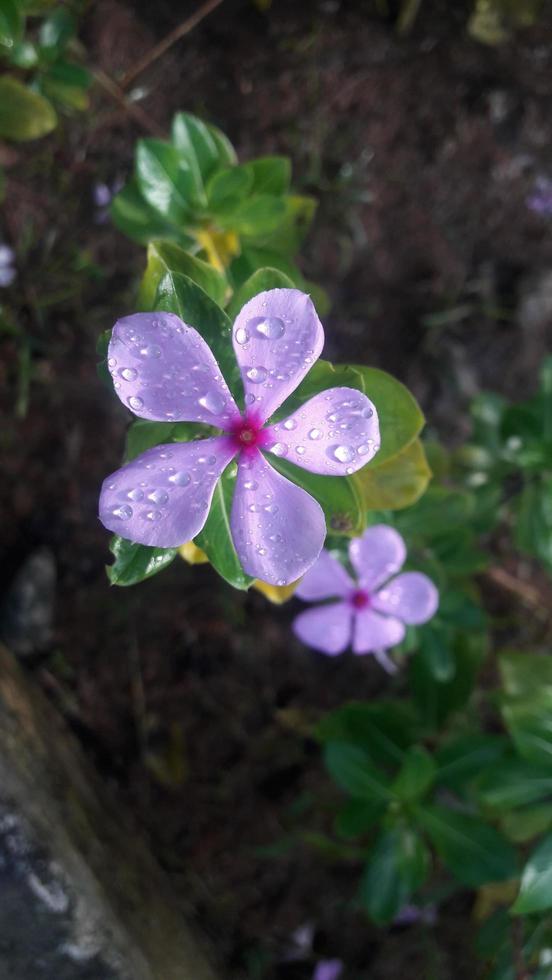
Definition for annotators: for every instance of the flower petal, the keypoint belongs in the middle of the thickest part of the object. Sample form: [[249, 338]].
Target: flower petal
[[377, 555], [326, 628], [164, 371], [335, 433], [372, 632], [162, 497], [325, 580], [411, 596], [278, 529], [277, 338]]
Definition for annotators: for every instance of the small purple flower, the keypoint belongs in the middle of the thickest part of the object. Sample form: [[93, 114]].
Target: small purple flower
[[164, 371], [328, 970], [102, 195], [372, 612], [540, 201], [7, 265]]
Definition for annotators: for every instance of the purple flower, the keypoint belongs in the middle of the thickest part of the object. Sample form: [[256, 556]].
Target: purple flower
[[328, 970], [540, 201], [164, 371], [7, 266], [372, 612]]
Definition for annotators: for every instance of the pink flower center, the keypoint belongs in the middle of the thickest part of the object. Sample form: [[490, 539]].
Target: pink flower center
[[247, 433], [360, 599]]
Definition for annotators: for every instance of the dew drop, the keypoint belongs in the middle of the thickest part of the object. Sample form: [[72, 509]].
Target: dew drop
[[135, 494], [271, 508], [151, 350], [289, 424], [241, 336], [367, 447], [249, 398], [111, 362], [251, 485], [123, 512], [344, 454], [279, 449], [267, 327], [213, 402], [158, 497], [254, 508], [300, 450], [276, 538], [180, 479], [257, 374], [136, 403], [153, 515], [129, 374], [260, 551], [315, 434]]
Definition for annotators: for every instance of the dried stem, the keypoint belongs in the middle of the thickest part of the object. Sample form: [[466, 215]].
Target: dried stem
[[138, 114], [184, 28]]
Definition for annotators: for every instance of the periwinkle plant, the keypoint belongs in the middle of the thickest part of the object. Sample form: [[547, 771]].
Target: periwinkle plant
[[164, 371]]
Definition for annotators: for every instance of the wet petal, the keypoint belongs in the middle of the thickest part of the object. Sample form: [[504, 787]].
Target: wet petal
[[277, 338], [326, 628], [335, 433], [377, 555], [162, 497], [372, 632], [411, 596], [164, 371], [278, 529], [325, 580]]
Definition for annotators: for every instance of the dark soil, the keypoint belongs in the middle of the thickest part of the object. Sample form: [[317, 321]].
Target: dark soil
[[195, 701]]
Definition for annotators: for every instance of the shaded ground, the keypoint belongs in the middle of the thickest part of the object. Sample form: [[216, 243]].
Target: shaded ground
[[194, 700]]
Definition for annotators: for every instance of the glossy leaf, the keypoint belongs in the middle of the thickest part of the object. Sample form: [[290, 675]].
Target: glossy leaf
[[535, 894], [416, 775], [164, 179], [463, 759], [133, 216], [383, 730], [197, 144], [352, 770], [339, 497], [24, 114], [397, 866], [216, 540], [436, 700], [260, 281], [436, 654], [513, 782], [397, 482], [167, 258], [271, 175], [11, 23], [136, 562], [525, 823], [254, 217], [472, 850], [55, 32], [227, 188], [293, 226]]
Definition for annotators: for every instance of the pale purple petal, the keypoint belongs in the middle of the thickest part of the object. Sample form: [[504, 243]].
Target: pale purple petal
[[277, 338], [328, 970], [162, 498], [372, 632], [164, 371], [377, 555], [325, 628], [327, 579], [335, 433], [278, 528], [411, 596]]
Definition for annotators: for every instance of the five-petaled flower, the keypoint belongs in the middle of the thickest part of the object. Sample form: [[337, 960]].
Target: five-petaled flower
[[164, 371], [372, 612]]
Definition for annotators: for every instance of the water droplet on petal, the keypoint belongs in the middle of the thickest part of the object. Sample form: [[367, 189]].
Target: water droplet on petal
[[129, 374], [180, 479], [123, 512], [279, 449], [241, 336], [249, 398], [213, 402], [135, 494], [367, 447], [256, 374], [135, 403], [254, 508], [250, 485], [267, 327], [300, 450], [158, 497], [153, 515], [344, 454], [111, 363], [150, 350], [289, 424]]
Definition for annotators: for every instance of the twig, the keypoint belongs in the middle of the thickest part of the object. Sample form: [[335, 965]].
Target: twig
[[510, 583], [116, 93], [184, 28]]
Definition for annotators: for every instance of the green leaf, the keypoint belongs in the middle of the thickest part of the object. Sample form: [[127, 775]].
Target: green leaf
[[255, 217], [136, 562], [133, 216], [142, 435], [271, 175], [24, 54], [383, 730], [435, 652], [525, 675], [527, 704], [165, 180], [11, 23], [397, 482], [67, 83], [352, 770], [167, 258], [437, 700], [462, 759], [512, 782], [293, 226], [526, 823], [416, 775], [200, 149], [260, 281], [216, 539], [55, 31], [535, 894], [227, 188], [339, 497], [472, 850], [533, 531], [24, 115], [177, 293], [357, 816], [397, 866]]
